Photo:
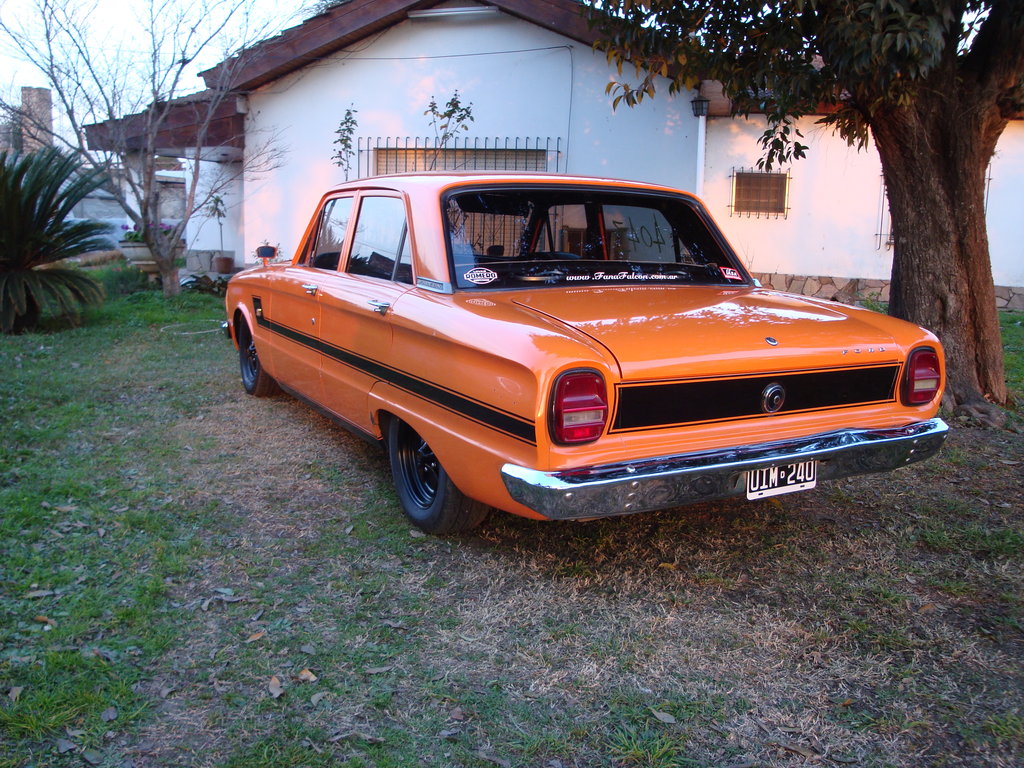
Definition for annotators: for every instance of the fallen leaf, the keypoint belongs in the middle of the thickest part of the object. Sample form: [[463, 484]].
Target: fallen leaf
[[927, 608], [450, 735], [63, 746], [376, 670], [108, 714], [663, 717], [275, 687], [166, 691], [797, 749], [307, 648], [492, 758], [92, 756], [306, 676], [37, 593], [417, 534], [457, 714], [45, 620], [15, 692], [255, 636], [224, 590], [357, 735], [316, 698], [349, 529], [393, 624]]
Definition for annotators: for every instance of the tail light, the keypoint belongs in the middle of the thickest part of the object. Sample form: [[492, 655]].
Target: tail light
[[922, 378], [579, 407]]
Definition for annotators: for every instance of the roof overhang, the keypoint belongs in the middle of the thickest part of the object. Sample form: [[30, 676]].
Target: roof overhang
[[213, 124], [349, 22]]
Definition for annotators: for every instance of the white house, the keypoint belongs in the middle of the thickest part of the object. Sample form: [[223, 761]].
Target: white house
[[537, 91]]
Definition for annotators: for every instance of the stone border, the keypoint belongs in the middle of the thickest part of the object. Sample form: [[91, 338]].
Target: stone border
[[855, 290]]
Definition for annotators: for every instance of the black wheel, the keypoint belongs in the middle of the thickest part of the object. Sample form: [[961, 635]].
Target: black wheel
[[429, 498], [256, 381]]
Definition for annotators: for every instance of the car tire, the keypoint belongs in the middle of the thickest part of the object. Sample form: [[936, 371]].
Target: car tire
[[255, 380], [428, 496]]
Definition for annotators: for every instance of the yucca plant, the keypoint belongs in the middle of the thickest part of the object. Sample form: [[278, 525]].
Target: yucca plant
[[37, 193]]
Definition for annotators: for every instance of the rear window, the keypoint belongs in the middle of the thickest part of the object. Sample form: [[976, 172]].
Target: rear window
[[520, 237]]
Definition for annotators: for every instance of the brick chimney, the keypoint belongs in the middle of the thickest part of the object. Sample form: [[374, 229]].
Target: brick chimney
[[37, 118]]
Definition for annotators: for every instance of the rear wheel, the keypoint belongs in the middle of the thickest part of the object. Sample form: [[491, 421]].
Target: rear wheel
[[429, 498], [256, 381]]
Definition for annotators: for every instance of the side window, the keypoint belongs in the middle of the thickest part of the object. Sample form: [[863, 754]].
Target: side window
[[380, 247], [330, 237]]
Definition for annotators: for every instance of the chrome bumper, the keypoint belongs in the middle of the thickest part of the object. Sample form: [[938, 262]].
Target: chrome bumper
[[671, 481]]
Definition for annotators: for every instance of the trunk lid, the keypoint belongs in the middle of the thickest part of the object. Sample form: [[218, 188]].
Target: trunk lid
[[656, 332]]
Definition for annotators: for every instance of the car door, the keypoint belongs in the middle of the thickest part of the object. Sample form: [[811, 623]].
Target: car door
[[355, 305], [295, 311]]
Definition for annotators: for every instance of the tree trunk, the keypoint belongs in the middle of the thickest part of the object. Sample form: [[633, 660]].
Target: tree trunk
[[165, 256], [934, 158]]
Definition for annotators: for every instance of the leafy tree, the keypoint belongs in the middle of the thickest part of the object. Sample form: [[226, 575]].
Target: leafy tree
[[932, 82], [37, 193]]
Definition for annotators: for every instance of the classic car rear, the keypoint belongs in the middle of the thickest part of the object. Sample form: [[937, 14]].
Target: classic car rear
[[570, 348]]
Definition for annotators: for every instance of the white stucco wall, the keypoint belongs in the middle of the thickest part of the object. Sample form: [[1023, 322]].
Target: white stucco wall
[[1006, 207], [836, 199], [203, 232], [520, 79]]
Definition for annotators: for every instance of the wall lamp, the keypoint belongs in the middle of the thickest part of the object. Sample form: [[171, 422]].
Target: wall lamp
[[700, 106]]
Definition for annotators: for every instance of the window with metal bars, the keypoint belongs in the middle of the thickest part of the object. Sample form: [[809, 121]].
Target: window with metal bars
[[382, 155], [759, 193]]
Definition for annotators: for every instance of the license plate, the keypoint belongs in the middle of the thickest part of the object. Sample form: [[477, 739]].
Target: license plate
[[785, 478]]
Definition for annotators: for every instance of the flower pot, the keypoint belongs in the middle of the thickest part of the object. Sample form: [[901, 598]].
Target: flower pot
[[224, 264]]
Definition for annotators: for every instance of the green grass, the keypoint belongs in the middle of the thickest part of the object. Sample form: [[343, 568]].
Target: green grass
[[90, 530], [170, 546], [1012, 324]]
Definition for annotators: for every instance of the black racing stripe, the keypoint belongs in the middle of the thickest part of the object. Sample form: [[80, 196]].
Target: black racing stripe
[[647, 406], [472, 409]]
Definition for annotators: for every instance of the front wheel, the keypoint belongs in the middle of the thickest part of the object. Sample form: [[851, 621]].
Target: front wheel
[[428, 496], [255, 380]]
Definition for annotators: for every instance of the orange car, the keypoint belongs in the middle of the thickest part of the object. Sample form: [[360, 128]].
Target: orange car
[[570, 348]]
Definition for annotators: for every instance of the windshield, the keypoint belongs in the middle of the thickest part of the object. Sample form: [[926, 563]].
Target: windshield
[[517, 238]]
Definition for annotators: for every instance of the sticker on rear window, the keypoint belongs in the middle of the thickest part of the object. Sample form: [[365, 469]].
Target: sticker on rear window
[[481, 276], [731, 274]]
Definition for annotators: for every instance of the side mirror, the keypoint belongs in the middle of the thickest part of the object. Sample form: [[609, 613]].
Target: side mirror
[[266, 252]]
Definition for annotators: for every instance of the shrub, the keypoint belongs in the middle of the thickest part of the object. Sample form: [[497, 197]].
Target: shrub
[[37, 194]]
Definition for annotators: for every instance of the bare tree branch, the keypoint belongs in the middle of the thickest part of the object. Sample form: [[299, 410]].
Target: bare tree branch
[[118, 115]]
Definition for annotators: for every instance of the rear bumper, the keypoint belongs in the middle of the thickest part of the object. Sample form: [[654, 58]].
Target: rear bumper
[[670, 481]]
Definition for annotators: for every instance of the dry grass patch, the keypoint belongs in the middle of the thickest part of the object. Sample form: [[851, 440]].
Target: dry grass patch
[[872, 622]]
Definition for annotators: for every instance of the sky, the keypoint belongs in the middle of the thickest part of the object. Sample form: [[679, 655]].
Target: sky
[[115, 22]]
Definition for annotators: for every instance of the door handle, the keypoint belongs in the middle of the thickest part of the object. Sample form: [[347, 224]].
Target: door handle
[[381, 307], [309, 288]]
